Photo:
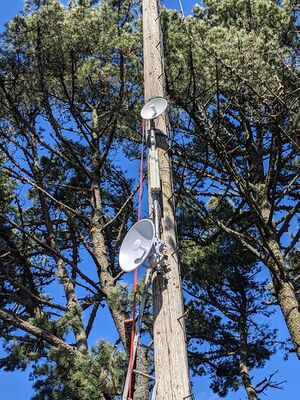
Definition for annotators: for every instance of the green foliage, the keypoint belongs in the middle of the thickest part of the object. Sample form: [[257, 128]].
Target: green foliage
[[227, 297], [231, 69], [119, 297], [83, 55], [238, 38], [226, 294], [68, 77], [97, 375]]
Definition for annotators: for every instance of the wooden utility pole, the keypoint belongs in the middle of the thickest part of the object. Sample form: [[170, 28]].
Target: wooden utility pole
[[170, 348]]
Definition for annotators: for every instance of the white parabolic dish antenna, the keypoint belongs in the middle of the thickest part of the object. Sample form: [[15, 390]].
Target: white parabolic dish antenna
[[137, 245], [154, 108]]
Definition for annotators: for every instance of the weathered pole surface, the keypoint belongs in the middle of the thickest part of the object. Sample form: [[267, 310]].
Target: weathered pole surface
[[170, 349]]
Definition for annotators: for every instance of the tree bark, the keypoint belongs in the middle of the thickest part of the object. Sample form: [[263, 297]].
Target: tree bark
[[285, 291], [244, 370], [289, 305]]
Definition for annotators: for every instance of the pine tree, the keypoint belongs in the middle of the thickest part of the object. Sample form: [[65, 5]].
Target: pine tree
[[67, 80], [228, 315], [231, 71]]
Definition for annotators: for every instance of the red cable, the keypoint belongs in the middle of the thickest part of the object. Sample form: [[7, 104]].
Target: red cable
[[135, 276]]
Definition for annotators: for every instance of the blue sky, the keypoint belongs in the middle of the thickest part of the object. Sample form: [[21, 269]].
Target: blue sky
[[16, 385]]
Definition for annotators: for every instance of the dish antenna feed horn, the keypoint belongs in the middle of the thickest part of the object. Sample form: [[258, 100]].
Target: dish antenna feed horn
[[141, 244]]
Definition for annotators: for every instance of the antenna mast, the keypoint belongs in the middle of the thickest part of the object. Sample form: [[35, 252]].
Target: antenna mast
[[170, 349]]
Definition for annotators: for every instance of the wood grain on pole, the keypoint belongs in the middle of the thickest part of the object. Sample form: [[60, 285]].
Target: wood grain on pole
[[170, 349]]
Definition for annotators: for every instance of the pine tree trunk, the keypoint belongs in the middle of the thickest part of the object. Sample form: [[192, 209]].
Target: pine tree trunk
[[289, 305], [244, 370], [286, 294], [285, 291]]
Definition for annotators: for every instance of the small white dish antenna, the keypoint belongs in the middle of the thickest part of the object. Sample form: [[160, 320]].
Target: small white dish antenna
[[154, 108], [137, 245]]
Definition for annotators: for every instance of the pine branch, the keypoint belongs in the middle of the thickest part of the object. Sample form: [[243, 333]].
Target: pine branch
[[50, 338]]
